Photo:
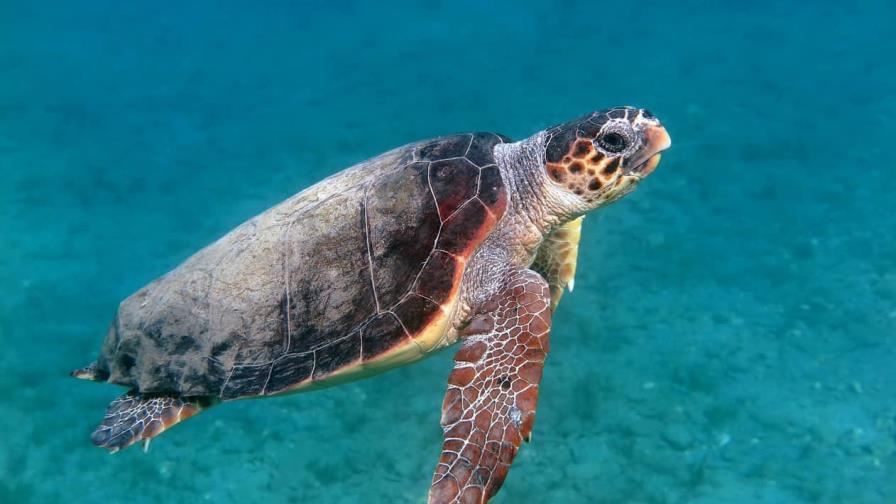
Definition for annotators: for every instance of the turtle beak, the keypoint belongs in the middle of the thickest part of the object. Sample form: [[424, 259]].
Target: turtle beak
[[656, 141]]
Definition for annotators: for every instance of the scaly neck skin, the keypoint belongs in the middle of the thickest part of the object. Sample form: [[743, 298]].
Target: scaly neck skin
[[535, 205]]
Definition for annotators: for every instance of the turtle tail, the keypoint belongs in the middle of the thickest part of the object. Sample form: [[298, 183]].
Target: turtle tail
[[91, 372], [137, 417]]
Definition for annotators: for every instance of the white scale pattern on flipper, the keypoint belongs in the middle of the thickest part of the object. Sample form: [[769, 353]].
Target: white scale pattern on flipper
[[489, 408]]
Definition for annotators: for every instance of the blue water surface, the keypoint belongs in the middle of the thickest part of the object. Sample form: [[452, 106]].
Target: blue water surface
[[731, 335]]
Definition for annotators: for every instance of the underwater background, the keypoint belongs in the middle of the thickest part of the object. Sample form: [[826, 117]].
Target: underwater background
[[732, 335]]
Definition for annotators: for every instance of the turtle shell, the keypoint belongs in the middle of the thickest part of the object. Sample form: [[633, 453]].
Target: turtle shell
[[354, 275]]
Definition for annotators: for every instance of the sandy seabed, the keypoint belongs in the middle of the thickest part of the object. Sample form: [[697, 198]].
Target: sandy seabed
[[732, 334]]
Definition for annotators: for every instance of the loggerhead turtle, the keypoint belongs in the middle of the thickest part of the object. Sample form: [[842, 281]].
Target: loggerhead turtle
[[468, 237]]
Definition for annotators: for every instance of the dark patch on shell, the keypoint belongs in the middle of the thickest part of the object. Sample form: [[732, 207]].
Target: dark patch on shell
[[289, 370], [415, 312], [463, 228], [453, 182], [437, 277], [338, 354], [445, 147], [381, 334], [480, 152], [491, 189]]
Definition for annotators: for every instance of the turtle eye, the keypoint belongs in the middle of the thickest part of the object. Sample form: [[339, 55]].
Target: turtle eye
[[613, 142]]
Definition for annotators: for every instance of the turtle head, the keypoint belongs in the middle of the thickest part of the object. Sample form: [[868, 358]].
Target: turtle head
[[602, 156]]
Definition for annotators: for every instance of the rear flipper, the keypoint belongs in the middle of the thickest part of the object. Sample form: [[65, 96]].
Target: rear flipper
[[137, 417]]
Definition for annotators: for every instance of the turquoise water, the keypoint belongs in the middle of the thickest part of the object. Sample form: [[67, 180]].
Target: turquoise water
[[731, 336]]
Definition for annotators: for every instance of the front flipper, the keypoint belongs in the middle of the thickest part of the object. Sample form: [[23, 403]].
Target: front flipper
[[489, 408], [556, 258]]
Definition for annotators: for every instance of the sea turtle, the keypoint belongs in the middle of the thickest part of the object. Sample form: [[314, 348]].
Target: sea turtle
[[467, 237]]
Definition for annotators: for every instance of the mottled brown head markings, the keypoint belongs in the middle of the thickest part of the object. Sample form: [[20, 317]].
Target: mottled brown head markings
[[603, 155]]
